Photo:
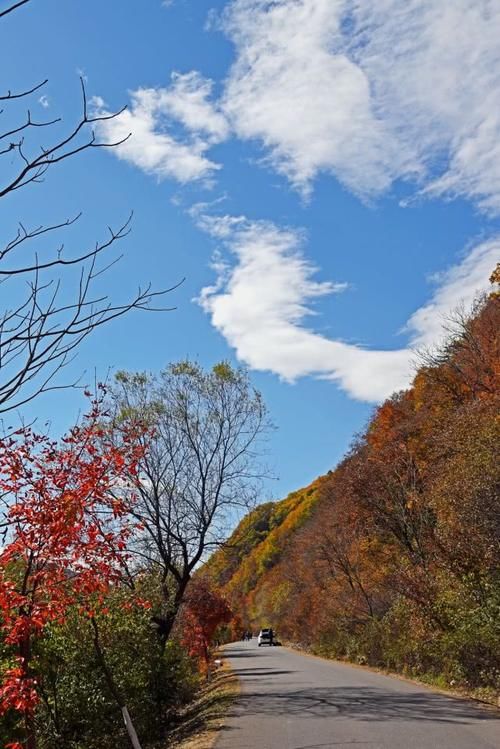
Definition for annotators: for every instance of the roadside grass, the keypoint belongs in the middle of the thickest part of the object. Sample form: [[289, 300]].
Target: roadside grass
[[487, 695], [202, 720]]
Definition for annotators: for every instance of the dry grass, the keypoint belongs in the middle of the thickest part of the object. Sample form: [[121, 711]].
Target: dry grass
[[203, 719]]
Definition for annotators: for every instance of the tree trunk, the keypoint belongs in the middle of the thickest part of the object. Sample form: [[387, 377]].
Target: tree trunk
[[113, 688], [165, 624], [29, 721]]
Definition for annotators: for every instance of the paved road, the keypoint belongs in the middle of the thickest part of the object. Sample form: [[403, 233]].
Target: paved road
[[292, 701]]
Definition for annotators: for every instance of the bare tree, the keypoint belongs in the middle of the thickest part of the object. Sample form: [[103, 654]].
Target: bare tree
[[50, 299], [201, 466]]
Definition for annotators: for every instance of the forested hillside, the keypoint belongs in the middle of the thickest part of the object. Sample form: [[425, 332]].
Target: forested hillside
[[392, 559]]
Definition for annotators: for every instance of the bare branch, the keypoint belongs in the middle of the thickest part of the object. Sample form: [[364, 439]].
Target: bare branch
[[24, 234], [29, 123], [13, 7], [47, 317], [114, 236]]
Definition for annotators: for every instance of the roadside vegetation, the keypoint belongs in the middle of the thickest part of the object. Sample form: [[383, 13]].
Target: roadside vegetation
[[393, 559], [203, 718], [107, 632]]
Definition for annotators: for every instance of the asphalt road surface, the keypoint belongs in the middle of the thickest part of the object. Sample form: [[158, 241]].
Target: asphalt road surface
[[293, 701]]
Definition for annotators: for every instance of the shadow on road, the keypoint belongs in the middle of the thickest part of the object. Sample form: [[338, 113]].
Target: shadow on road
[[334, 743], [238, 653], [259, 672], [361, 703]]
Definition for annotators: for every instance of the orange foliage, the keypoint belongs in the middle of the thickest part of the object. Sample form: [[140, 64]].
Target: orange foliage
[[380, 559]]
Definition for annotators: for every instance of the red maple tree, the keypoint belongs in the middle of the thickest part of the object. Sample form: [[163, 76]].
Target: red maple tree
[[66, 533], [204, 610]]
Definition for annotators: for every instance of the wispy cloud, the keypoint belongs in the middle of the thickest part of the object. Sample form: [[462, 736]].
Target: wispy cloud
[[171, 129], [372, 91], [263, 294], [294, 88], [456, 286]]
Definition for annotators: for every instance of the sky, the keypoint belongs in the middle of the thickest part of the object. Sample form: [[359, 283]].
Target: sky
[[323, 176]]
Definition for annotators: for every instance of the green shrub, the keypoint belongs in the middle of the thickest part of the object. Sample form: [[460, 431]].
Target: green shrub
[[78, 710]]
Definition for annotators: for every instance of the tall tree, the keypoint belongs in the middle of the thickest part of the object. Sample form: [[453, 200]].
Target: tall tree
[[199, 469]]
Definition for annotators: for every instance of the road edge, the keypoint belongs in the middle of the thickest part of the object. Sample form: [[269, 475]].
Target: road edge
[[209, 711], [457, 694]]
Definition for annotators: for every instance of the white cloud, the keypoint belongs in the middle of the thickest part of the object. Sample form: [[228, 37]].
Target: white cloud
[[372, 90], [171, 129], [456, 287], [434, 68], [294, 88], [189, 100], [44, 101], [263, 295], [259, 305]]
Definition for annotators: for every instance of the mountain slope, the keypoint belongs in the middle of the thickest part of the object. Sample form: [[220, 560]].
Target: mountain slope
[[256, 547], [393, 558]]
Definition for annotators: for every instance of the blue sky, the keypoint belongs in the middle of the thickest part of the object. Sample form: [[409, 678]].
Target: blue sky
[[325, 175]]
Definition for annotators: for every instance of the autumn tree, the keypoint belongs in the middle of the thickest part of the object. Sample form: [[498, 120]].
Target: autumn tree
[[204, 610], [51, 301], [466, 365], [199, 469], [65, 537], [464, 487], [354, 556]]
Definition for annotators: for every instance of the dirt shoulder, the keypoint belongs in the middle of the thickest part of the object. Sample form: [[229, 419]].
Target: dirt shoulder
[[204, 718]]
